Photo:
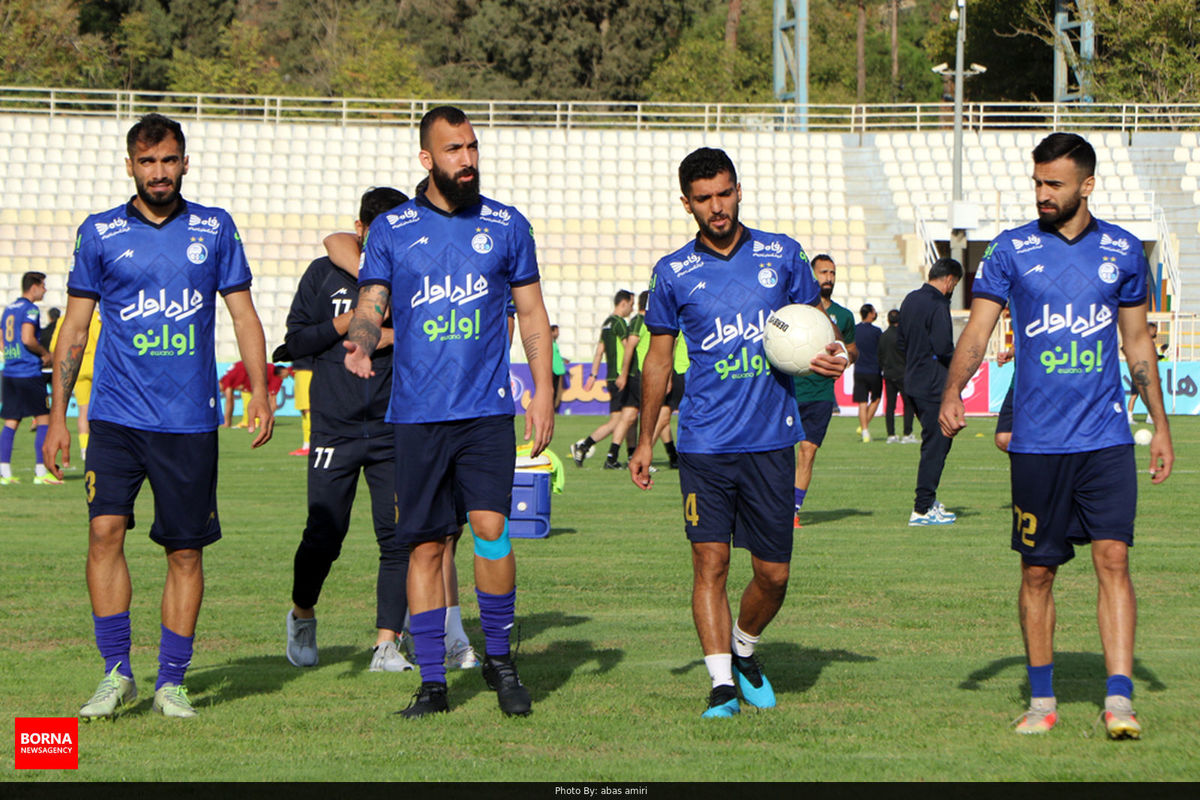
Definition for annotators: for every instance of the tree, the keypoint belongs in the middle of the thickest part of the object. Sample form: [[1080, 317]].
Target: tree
[[1019, 66], [368, 58], [42, 46], [241, 66], [143, 41]]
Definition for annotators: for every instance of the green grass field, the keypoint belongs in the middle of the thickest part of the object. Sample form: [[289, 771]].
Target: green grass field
[[896, 657]]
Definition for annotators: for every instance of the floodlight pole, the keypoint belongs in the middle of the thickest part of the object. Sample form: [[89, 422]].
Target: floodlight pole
[[958, 236]]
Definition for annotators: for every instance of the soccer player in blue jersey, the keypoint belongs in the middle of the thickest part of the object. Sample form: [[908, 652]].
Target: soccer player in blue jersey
[[155, 266], [738, 421], [446, 261], [22, 387], [1072, 282]]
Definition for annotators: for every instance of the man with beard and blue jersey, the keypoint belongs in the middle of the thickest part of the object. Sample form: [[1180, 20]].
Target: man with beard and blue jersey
[[22, 387], [155, 265], [1072, 282], [738, 421], [446, 261]]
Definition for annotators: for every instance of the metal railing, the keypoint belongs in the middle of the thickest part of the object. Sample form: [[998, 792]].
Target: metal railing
[[978, 117]]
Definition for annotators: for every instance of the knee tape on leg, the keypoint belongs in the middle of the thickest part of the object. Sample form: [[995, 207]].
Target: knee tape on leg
[[492, 550]]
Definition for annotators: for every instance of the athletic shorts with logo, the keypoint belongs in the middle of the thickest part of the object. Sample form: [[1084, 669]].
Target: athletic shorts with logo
[[445, 468], [1061, 500], [181, 468], [741, 498]]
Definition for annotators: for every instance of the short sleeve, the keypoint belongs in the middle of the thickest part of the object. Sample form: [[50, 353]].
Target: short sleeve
[[802, 286], [376, 263], [522, 266], [234, 268], [1132, 291], [662, 312], [84, 279], [993, 279]]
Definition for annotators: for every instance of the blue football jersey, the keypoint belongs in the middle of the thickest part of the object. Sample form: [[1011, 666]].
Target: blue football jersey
[[733, 401], [157, 284], [449, 276], [1064, 298], [18, 361]]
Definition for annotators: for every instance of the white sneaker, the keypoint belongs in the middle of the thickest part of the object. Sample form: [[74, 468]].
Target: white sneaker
[[909, 439], [460, 655], [893, 440], [114, 694], [387, 657], [866, 437], [301, 641], [930, 517], [944, 512]]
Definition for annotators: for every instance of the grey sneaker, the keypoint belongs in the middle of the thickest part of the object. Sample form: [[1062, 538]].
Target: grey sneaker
[[114, 694], [461, 655], [1040, 718], [301, 641], [893, 440], [171, 700], [908, 439], [388, 658], [944, 512]]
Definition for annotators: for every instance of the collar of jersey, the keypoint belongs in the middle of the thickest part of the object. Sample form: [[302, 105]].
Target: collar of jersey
[[703, 248], [421, 201], [132, 211], [1092, 226]]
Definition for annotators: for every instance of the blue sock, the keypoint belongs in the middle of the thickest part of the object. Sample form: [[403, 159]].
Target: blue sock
[[800, 498], [6, 444], [1120, 685], [38, 441], [1041, 680], [496, 614], [113, 639], [174, 657], [428, 630]]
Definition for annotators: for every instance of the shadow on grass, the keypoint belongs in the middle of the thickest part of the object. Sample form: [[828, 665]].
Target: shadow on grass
[[831, 515], [256, 675], [563, 531], [791, 668], [545, 672], [1077, 676]]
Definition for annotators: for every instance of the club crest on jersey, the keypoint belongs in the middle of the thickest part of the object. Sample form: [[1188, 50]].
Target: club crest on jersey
[[772, 249], [201, 225], [197, 253], [1114, 245], [1108, 272], [405, 217], [112, 227], [694, 261], [499, 215], [767, 277], [1029, 243], [481, 243]]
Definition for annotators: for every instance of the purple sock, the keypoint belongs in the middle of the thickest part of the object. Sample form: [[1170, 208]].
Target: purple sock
[[428, 630], [6, 444], [496, 613], [38, 441], [174, 657], [799, 495], [113, 640]]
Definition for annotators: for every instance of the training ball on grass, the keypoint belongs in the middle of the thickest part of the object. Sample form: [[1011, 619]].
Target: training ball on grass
[[795, 335], [1143, 436]]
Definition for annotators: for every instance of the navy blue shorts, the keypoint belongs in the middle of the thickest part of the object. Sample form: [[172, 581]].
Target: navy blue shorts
[[1074, 498], [743, 497], [181, 467], [23, 397], [814, 420], [446, 468], [1004, 421], [676, 393]]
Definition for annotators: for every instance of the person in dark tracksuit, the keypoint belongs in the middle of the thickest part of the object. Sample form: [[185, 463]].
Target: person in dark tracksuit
[[927, 339], [891, 362], [349, 434]]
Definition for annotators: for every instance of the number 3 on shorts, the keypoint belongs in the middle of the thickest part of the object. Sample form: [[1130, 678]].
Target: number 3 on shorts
[[1026, 526], [690, 513]]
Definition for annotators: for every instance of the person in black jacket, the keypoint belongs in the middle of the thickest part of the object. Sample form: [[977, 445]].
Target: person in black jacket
[[349, 434], [891, 363], [927, 339]]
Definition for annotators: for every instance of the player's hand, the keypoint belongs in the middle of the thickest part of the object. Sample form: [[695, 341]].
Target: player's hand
[[58, 438], [639, 467], [953, 416], [587, 384], [621, 381], [357, 360], [1162, 455], [540, 417], [1004, 356], [260, 417], [832, 362]]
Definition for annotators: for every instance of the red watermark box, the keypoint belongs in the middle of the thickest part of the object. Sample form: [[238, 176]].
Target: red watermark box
[[46, 742]]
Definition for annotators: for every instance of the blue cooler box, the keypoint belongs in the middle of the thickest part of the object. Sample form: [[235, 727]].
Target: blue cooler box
[[530, 514]]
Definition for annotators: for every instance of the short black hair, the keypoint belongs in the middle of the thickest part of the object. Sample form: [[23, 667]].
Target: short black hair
[[866, 309], [707, 162], [152, 129], [451, 114], [894, 317], [1066, 145], [945, 266], [621, 296], [642, 299], [31, 279], [377, 200], [822, 257]]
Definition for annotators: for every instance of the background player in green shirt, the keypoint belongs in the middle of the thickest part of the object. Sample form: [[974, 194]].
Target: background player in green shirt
[[611, 348]]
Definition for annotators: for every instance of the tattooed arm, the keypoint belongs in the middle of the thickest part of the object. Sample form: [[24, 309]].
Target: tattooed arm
[[68, 355], [362, 337], [968, 355], [1142, 361]]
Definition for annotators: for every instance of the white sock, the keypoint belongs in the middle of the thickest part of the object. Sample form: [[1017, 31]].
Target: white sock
[[5, 470], [720, 669], [454, 628], [39, 470], [743, 643]]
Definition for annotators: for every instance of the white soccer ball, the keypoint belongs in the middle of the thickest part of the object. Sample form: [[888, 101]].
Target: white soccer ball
[[795, 334], [1143, 436]]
